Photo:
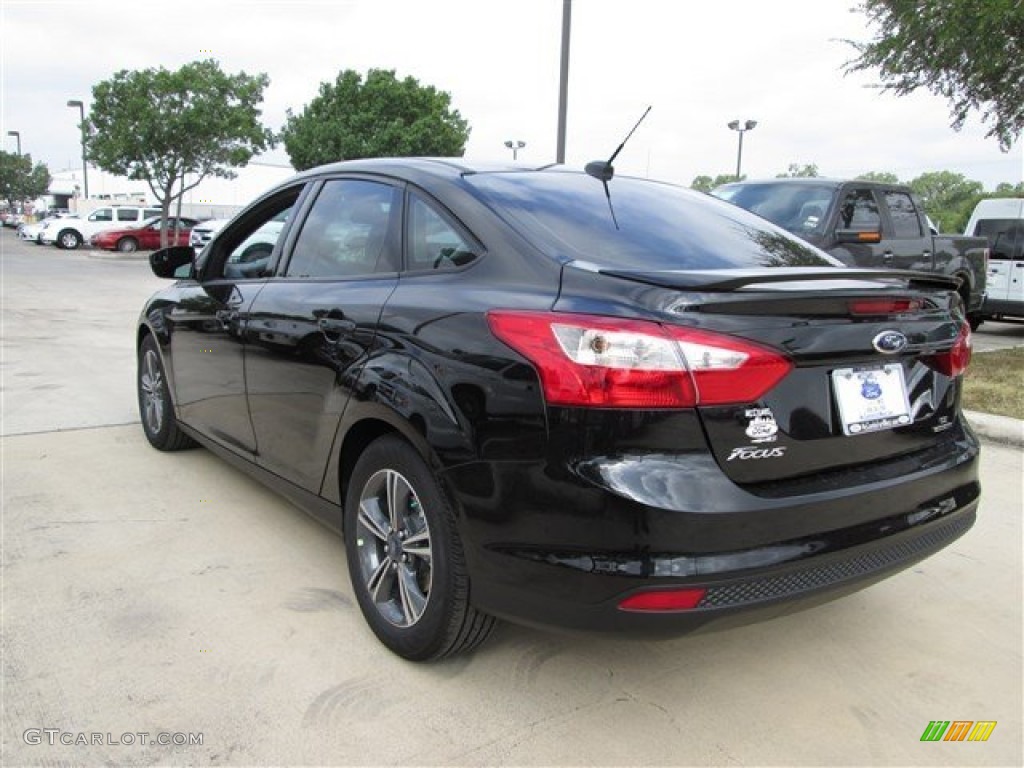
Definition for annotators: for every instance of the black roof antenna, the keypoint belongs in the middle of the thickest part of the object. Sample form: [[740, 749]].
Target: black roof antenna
[[602, 169]]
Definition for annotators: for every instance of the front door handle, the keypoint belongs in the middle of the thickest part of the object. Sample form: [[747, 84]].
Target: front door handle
[[226, 317], [335, 325]]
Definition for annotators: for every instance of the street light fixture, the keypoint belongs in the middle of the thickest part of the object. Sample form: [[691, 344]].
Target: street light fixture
[[749, 125], [85, 170], [515, 146], [17, 137]]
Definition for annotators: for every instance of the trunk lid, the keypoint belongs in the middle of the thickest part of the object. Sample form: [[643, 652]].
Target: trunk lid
[[870, 353]]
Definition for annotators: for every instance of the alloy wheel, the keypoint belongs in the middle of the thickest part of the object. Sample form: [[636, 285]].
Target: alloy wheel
[[151, 382], [393, 544]]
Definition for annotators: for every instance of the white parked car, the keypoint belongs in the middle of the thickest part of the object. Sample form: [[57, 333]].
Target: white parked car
[[203, 231], [258, 245], [71, 233]]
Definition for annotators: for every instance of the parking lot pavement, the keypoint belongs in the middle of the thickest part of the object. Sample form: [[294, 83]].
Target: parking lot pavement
[[168, 593], [147, 594]]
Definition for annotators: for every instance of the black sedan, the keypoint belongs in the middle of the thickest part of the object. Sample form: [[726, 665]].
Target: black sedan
[[563, 398]]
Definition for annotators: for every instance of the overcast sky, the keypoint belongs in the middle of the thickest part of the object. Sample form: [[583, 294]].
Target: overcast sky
[[699, 64]]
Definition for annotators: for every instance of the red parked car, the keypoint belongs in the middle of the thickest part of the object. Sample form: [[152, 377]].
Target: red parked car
[[145, 236]]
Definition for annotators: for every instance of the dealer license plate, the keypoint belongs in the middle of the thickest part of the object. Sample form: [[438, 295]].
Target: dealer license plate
[[871, 399]]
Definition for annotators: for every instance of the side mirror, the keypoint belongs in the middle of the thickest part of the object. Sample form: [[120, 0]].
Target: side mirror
[[857, 236], [167, 261]]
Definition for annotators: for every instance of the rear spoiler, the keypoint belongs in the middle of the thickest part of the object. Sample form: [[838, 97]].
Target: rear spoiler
[[724, 280]]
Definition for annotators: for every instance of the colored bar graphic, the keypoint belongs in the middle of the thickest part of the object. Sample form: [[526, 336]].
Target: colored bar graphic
[[982, 730], [958, 730], [935, 730]]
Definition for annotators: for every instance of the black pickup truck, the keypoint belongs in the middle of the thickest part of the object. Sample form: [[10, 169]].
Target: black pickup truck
[[867, 224]]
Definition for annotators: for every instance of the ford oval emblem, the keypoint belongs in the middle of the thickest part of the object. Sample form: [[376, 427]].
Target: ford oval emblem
[[889, 342]]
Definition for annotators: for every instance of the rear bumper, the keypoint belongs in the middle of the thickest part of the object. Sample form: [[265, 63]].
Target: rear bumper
[[552, 552], [737, 599]]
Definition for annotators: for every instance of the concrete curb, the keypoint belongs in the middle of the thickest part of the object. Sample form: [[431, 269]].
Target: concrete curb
[[998, 429]]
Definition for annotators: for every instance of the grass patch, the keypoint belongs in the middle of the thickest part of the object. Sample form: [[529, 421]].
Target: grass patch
[[995, 383]]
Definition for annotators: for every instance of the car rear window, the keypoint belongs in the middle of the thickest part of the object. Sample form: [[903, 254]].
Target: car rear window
[[639, 223]]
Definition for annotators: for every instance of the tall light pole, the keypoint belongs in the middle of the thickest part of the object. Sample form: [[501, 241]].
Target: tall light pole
[[17, 137], [85, 169], [749, 125], [515, 146], [563, 81]]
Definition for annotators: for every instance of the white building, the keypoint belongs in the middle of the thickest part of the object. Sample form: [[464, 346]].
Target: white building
[[212, 198]]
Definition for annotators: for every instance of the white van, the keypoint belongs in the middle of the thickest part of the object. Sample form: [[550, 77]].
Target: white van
[[1001, 220]]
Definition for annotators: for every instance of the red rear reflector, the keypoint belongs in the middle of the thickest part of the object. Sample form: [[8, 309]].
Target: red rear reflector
[[884, 306], [869, 237], [587, 360], [664, 600]]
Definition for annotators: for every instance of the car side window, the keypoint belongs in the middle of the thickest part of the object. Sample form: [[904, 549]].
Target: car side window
[[245, 249], [127, 214], [149, 213], [432, 242], [903, 213], [102, 214], [348, 231], [859, 211]]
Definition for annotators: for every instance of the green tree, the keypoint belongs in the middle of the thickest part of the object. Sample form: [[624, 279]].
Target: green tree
[[706, 183], [162, 126], [381, 117], [21, 181], [1006, 189], [948, 198], [795, 170], [970, 52], [883, 177]]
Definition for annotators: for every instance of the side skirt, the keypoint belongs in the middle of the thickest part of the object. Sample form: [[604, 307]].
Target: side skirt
[[322, 510]]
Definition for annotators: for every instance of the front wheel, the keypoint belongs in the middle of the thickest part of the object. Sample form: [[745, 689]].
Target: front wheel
[[155, 406], [69, 240], [405, 557], [127, 245]]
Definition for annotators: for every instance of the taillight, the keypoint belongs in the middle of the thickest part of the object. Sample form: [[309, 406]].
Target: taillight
[[955, 361], [656, 600], [586, 360]]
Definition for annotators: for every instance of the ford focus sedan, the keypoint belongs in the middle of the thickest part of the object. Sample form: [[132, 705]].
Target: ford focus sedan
[[565, 399]]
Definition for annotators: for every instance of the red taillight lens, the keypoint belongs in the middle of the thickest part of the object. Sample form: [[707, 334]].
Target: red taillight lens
[[955, 361], [664, 600], [586, 360]]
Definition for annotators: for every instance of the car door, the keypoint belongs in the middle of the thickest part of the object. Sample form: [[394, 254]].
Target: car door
[[1006, 258], [311, 328], [207, 330], [858, 211], [906, 244]]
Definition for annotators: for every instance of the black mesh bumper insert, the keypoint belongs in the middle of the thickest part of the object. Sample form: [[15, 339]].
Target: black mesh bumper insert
[[794, 583]]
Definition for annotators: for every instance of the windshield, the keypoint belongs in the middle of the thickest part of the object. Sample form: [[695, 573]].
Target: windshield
[[654, 227], [798, 208]]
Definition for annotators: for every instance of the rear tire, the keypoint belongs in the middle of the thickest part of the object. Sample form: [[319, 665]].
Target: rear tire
[[155, 406], [405, 557]]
